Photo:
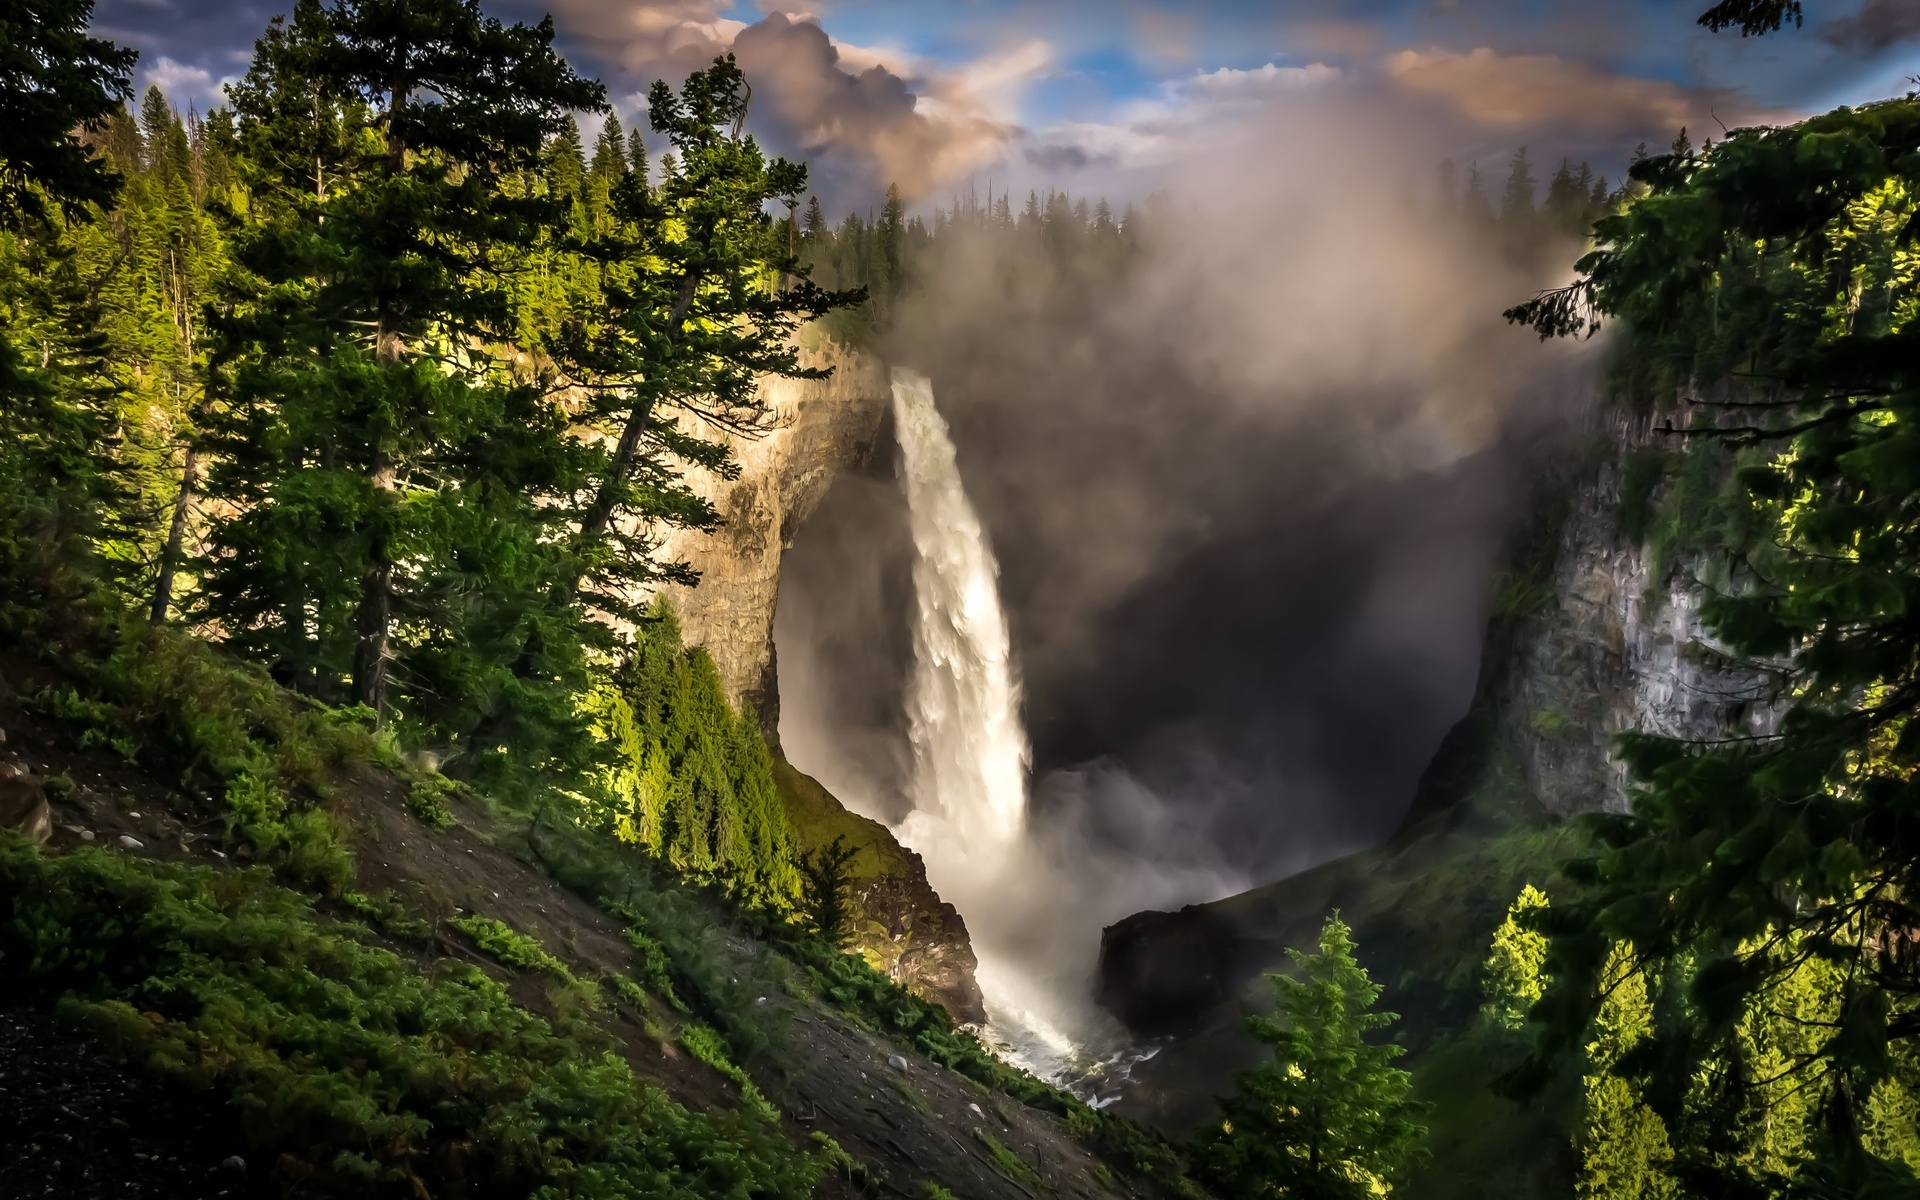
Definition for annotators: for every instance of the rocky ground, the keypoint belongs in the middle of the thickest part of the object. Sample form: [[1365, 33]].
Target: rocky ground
[[81, 1124]]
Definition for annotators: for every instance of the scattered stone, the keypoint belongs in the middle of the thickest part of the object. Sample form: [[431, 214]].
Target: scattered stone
[[134, 815], [23, 808], [131, 843], [897, 1061], [976, 1110], [234, 1163]]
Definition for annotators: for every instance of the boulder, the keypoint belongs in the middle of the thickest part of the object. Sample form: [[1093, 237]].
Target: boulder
[[23, 807]]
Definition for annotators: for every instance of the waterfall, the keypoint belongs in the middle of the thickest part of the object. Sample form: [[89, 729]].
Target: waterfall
[[969, 783]]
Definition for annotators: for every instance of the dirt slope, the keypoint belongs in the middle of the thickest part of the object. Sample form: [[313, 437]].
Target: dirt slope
[[907, 1127]]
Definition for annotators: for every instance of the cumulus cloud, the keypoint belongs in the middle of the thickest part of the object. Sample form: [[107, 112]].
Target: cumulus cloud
[[862, 116], [1878, 25], [184, 85], [1547, 91]]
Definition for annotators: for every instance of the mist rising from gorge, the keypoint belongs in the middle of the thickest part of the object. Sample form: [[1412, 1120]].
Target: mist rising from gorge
[[1246, 495]]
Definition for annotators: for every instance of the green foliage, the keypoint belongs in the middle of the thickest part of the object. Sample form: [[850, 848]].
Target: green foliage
[[707, 1046], [427, 799], [510, 947], [1011, 1164], [835, 1158], [1772, 271], [360, 1074], [1330, 1116], [1515, 974], [55, 81], [692, 780], [828, 883]]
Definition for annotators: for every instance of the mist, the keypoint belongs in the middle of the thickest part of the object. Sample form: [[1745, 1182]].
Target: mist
[[1247, 491]]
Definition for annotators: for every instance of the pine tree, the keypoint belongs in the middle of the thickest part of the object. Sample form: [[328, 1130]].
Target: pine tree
[[1516, 199], [55, 79], [692, 332], [1625, 1153], [1744, 859], [1515, 972], [58, 412], [370, 468], [1330, 1118]]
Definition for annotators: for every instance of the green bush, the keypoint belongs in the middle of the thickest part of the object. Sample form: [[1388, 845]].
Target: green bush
[[510, 947], [710, 1048], [360, 1074]]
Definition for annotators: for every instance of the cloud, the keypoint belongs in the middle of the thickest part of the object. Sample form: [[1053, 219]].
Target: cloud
[[1182, 116], [1260, 81], [1547, 91], [1878, 25], [184, 85], [862, 116]]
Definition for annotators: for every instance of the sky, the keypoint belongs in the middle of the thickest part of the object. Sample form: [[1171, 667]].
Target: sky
[[1108, 95]]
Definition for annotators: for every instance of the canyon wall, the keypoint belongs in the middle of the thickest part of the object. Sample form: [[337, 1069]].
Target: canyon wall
[[1595, 630], [818, 429]]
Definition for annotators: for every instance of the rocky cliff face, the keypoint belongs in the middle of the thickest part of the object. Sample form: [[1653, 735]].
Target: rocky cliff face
[[1615, 643], [1597, 630], [819, 428]]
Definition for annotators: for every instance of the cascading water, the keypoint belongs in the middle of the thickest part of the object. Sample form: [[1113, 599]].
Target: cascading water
[[970, 758], [963, 703]]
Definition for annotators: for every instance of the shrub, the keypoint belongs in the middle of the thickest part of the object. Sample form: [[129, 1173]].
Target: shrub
[[362, 1075]]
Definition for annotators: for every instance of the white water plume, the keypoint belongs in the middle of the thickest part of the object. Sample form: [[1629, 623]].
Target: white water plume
[[969, 779], [969, 786]]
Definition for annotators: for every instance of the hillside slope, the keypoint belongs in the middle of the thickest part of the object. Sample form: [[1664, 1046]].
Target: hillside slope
[[828, 1066]]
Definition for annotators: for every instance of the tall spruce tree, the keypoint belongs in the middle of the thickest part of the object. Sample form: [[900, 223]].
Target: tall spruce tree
[[57, 413], [383, 460], [1331, 1117], [685, 335]]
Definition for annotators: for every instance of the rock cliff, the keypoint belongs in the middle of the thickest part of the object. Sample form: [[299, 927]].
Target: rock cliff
[[1595, 630], [819, 428]]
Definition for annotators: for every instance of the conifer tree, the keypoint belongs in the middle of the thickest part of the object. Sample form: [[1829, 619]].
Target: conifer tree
[[1516, 198], [57, 415], [1625, 1153], [1515, 972], [688, 335], [1330, 1118], [379, 457]]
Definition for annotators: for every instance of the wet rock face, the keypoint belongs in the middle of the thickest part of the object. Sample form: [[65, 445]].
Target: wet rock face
[[819, 429], [1160, 971], [1620, 647]]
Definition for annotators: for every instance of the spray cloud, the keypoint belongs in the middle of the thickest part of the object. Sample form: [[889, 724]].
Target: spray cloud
[[1247, 484]]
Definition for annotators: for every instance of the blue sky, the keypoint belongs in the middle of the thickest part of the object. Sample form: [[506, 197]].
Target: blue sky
[[934, 92]]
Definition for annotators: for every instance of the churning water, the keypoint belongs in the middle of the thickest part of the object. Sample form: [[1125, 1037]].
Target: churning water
[[969, 780]]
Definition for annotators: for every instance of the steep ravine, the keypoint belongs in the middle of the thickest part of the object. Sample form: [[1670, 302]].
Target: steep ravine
[[818, 430], [1594, 631]]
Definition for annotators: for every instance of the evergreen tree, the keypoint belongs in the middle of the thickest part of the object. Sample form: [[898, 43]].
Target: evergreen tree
[[1515, 972], [1516, 199], [55, 79], [379, 459], [58, 412], [1746, 861], [691, 332], [1330, 1118], [1625, 1153]]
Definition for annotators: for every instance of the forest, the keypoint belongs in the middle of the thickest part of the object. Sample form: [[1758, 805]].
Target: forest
[[341, 429]]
